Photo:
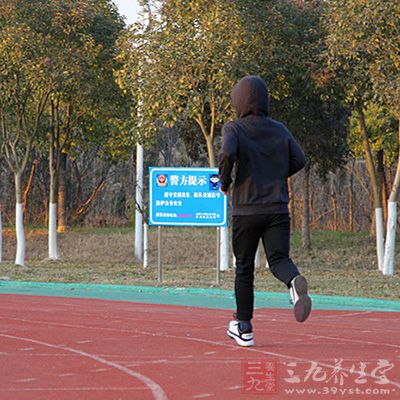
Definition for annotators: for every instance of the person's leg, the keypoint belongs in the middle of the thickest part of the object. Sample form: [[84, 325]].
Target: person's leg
[[276, 240], [246, 234]]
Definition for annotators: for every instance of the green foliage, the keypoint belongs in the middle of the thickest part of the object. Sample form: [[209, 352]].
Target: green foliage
[[364, 56], [183, 64], [64, 51], [364, 49], [381, 130], [23, 91], [303, 96]]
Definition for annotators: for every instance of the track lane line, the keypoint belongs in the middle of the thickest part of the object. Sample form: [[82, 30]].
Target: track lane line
[[158, 392]]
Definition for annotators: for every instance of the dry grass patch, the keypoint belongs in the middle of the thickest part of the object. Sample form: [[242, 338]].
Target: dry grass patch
[[340, 263]]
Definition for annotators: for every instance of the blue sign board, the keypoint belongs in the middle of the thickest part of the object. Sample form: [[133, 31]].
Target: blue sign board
[[186, 197]]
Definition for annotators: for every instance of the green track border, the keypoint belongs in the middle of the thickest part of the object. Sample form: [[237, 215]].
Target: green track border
[[193, 297]]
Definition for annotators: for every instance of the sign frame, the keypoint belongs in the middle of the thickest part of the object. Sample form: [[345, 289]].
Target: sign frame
[[223, 208]]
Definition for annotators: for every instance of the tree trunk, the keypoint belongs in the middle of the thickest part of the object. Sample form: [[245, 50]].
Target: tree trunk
[[209, 138], [139, 203], [305, 223], [85, 208], [53, 168], [335, 213], [62, 196], [224, 236], [28, 187], [1, 236], [310, 205], [351, 200], [376, 188], [53, 246], [381, 182], [389, 179], [210, 151], [18, 187], [19, 222], [390, 245]]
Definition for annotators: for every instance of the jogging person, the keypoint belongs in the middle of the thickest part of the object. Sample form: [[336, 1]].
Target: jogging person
[[262, 154]]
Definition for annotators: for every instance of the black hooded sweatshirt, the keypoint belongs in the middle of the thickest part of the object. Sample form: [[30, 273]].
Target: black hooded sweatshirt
[[262, 150]]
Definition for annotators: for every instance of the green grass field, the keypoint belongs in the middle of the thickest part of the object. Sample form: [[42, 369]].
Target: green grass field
[[340, 263]]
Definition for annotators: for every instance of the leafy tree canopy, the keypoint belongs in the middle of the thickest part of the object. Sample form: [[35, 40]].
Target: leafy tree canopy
[[183, 63]]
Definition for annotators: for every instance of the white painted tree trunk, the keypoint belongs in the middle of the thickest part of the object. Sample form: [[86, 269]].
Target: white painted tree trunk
[[53, 247], [19, 227], [390, 245], [257, 259], [139, 203], [1, 240], [224, 249], [380, 241], [145, 245], [388, 262]]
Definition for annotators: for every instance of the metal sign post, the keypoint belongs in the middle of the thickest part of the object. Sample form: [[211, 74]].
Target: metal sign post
[[159, 266], [218, 278]]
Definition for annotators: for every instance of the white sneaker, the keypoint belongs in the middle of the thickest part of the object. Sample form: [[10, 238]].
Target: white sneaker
[[244, 339], [300, 298]]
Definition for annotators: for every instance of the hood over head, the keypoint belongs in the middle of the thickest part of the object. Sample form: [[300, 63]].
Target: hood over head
[[250, 96]]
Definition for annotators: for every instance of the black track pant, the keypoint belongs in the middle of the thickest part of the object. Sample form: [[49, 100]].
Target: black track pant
[[274, 230]]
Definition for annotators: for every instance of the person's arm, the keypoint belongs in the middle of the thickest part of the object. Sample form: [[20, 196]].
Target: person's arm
[[227, 158], [297, 159]]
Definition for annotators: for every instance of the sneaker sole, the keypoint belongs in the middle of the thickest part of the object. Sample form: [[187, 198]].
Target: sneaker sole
[[302, 308], [239, 341]]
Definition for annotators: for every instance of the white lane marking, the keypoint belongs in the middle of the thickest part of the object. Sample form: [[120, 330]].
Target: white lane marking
[[27, 380], [234, 349], [156, 389], [181, 362], [271, 353], [237, 348], [352, 314], [334, 338], [231, 347], [237, 387]]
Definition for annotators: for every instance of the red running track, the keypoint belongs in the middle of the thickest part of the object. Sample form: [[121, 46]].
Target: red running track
[[66, 348]]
